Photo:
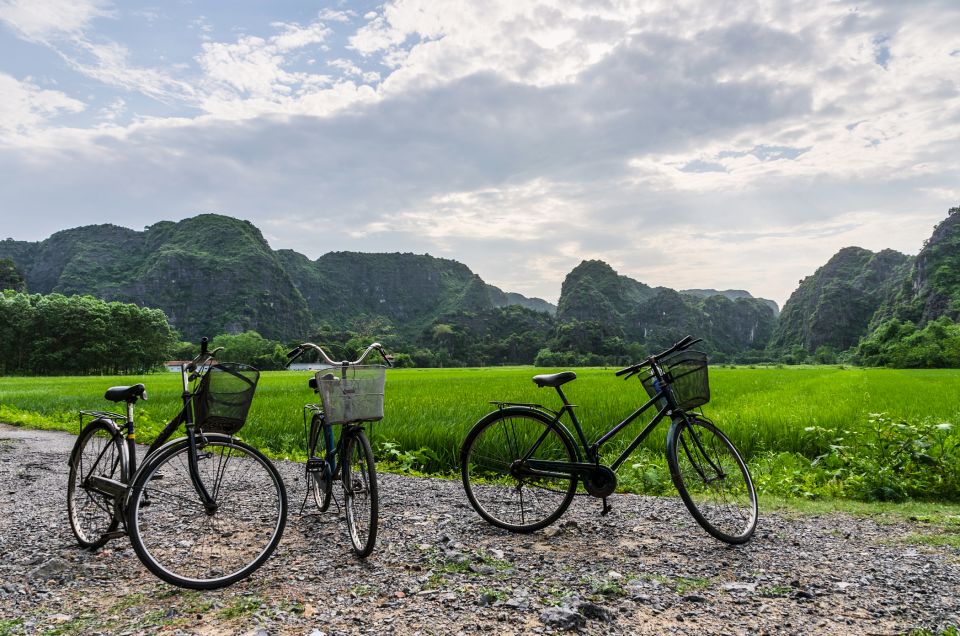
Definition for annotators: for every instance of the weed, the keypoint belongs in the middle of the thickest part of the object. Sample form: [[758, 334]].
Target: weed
[[241, 606]]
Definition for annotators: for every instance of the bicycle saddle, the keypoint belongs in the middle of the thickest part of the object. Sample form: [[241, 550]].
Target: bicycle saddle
[[554, 379], [126, 393]]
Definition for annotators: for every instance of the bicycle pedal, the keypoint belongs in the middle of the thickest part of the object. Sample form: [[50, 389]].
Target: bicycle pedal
[[606, 508], [316, 465], [116, 534]]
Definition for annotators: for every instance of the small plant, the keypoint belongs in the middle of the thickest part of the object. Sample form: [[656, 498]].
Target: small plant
[[241, 607], [604, 587], [415, 462]]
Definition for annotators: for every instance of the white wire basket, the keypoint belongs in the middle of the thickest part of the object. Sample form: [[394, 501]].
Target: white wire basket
[[352, 394]]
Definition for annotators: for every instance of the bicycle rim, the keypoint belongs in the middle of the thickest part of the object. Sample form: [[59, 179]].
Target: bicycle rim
[[361, 495], [175, 536], [713, 480], [495, 482], [98, 451]]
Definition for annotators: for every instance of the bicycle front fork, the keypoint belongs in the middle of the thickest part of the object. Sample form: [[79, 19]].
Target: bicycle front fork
[[208, 501]]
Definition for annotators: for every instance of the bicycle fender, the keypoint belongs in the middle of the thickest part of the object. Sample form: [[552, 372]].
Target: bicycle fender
[[542, 415], [114, 430]]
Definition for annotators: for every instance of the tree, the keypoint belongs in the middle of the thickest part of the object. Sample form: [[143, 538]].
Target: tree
[[10, 276]]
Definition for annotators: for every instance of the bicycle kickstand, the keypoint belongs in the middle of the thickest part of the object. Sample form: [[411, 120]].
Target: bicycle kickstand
[[606, 508]]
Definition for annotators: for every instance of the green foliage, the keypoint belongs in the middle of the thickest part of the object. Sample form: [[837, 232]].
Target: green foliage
[[56, 334], [253, 349], [883, 460], [903, 345], [10, 276]]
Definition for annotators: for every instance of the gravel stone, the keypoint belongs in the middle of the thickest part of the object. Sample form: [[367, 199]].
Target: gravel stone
[[439, 569], [562, 618]]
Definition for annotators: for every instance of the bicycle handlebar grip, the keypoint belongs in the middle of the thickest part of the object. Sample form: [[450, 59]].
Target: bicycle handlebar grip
[[203, 346], [626, 370], [294, 352]]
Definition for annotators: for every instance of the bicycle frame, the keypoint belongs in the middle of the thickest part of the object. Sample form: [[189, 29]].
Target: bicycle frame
[[120, 491], [592, 451]]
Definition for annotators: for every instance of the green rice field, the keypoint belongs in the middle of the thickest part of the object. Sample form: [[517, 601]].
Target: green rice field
[[782, 419]]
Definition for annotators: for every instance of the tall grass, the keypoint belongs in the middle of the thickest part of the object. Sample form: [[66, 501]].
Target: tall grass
[[761, 409]]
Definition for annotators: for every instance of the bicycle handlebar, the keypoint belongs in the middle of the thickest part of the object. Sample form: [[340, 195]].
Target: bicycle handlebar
[[299, 350], [684, 343], [204, 356]]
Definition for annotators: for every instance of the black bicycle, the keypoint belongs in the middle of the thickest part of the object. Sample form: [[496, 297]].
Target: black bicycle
[[521, 466], [351, 393], [202, 511]]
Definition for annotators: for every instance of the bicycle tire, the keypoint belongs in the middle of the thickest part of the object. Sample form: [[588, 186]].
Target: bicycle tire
[[173, 534], [101, 450], [712, 478], [360, 492], [319, 483], [488, 462]]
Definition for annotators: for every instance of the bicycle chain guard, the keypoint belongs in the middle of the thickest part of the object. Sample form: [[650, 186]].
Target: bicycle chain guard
[[601, 481]]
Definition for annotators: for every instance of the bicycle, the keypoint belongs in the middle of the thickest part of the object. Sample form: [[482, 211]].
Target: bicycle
[[351, 393], [202, 511], [520, 465]]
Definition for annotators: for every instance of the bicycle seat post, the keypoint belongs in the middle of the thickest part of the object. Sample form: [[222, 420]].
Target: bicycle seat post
[[563, 397]]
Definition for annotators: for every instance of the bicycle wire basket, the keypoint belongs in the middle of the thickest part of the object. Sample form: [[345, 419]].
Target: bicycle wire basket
[[352, 393], [686, 373], [224, 396]]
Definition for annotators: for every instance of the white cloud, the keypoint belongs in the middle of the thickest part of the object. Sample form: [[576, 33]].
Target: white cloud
[[25, 107], [520, 137], [41, 20], [331, 15]]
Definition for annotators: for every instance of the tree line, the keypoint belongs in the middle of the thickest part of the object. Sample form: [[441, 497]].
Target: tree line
[[67, 335], [71, 335]]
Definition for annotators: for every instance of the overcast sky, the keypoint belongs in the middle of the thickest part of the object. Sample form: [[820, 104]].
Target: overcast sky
[[688, 143]]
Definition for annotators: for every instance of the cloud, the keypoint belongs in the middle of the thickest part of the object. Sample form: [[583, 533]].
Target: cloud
[[690, 144], [25, 107], [42, 20]]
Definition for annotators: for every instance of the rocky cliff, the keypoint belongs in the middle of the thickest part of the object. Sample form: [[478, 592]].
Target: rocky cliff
[[214, 274]]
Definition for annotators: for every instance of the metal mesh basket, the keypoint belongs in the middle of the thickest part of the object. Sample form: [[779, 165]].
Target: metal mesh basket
[[223, 399], [686, 372], [352, 393]]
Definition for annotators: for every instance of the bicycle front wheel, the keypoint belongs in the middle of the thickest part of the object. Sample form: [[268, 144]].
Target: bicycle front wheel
[[713, 479], [320, 482], [185, 544], [99, 451], [360, 493], [498, 483]]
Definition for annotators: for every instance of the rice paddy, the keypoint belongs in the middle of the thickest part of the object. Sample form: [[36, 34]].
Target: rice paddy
[[766, 411]]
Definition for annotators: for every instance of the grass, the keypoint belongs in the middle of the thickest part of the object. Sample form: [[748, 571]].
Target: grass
[[766, 411]]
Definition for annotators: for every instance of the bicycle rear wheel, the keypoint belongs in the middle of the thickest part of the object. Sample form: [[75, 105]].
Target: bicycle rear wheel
[[499, 486], [360, 493], [99, 451], [182, 542], [320, 482], [713, 479]]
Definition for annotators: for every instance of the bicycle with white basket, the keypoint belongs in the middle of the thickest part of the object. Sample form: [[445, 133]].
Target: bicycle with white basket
[[351, 394]]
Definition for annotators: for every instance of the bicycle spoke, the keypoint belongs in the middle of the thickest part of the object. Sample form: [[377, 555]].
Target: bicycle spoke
[[500, 488]]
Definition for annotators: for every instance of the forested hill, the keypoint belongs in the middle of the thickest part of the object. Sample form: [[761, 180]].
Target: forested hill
[[214, 274], [595, 296], [880, 302], [834, 306]]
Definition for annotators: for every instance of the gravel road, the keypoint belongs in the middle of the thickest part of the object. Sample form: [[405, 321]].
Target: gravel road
[[646, 568]]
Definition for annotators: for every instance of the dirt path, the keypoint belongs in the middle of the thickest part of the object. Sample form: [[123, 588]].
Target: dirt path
[[647, 568]]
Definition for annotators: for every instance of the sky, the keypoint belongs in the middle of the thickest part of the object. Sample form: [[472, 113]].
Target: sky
[[687, 143]]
